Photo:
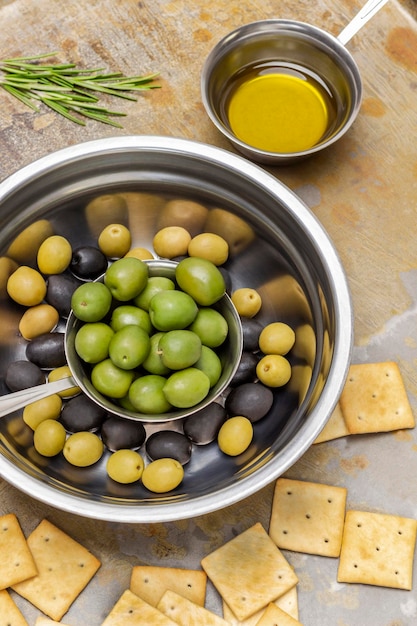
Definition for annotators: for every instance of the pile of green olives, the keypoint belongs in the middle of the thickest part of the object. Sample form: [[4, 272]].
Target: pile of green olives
[[150, 343]]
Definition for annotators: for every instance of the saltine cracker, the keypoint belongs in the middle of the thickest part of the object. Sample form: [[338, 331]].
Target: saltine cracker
[[308, 517], [249, 571], [17, 562], [64, 566], [150, 583], [377, 549], [130, 610]]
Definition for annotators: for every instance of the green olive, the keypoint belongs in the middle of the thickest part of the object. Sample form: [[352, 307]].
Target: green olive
[[209, 246], [26, 286], [49, 438], [125, 466], [41, 410], [276, 338], [235, 435], [171, 241], [83, 448], [247, 301], [115, 241], [54, 255], [37, 320], [162, 475]]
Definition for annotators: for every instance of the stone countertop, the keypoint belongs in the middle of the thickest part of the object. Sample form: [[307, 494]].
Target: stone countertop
[[362, 190]]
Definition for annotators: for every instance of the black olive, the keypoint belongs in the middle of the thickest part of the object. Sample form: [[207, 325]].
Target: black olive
[[88, 262], [251, 329], [203, 426], [47, 350], [23, 374], [246, 371], [168, 444], [60, 288], [252, 400], [118, 433], [81, 413]]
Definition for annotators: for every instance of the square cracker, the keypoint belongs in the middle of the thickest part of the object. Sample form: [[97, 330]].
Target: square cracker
[[274, 616], [10, 615], [377, 549], [17, 562], [249, 571], [64, 566], [186, 613], [308, 517], [150, 583], [334, 428], [130, 610], [287, 603], [374, 399]]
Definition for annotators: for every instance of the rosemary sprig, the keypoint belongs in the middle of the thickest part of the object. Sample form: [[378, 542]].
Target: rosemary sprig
[[68, 90]]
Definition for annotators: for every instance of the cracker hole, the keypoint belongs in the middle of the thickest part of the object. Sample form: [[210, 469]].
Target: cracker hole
[[189, 585], [279, 576], [289, 493], [355, 565], [400, 532], [80, 564], [396, 572], [243, 598], [359, 418], [5, 528], [374, 395], [329, 500], [50, 569], [308, 516], [130, 611], [17, 564], [146, 580], [358, 525], [285, 532], [377, 548], [326, 541], [46, 539]]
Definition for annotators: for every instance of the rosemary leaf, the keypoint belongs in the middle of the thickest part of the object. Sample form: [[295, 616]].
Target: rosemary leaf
[[68, 90], [20, 96], [62, 111]]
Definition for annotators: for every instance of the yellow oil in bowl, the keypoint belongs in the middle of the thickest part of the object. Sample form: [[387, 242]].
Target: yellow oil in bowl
[[277, 108]]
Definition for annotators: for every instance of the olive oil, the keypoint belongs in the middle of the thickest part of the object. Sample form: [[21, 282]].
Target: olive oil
[[279, 108]]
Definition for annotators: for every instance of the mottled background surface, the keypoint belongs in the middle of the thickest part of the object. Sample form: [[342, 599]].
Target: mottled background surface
[[364, 192]]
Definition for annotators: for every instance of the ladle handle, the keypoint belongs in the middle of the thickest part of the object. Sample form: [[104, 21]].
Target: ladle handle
[[19, 399], [364, 15]]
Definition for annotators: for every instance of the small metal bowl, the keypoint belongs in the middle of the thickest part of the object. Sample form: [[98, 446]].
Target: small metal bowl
[[291, 47], [229, 353]]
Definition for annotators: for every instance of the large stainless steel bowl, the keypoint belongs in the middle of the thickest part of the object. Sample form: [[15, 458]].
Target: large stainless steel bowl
[[288, 258]]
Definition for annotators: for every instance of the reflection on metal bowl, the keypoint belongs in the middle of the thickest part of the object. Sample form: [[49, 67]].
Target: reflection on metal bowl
[[276, 246]]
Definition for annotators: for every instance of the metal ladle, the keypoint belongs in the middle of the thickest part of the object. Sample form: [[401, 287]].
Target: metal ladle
[[361, 18], [19, 399]]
